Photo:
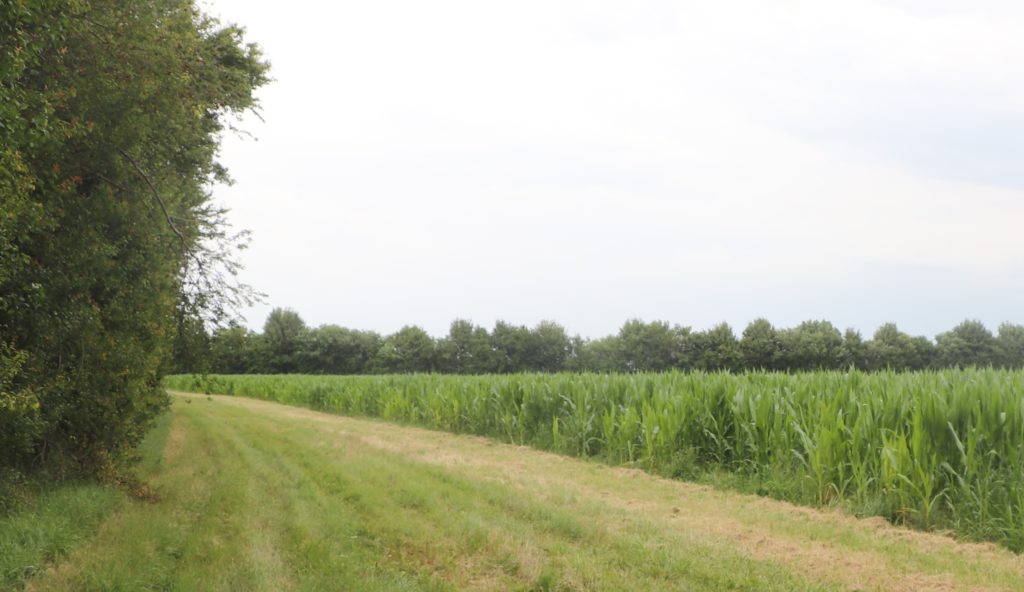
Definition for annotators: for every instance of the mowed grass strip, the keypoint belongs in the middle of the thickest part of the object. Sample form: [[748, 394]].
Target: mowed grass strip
[[54, 522], [257, 500], [258, 496]]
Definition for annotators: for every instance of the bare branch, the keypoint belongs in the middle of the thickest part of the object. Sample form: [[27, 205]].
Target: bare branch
[[209, 276], [159, 200]]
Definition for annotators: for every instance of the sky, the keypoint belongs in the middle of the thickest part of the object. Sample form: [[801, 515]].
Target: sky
[[594, 161]]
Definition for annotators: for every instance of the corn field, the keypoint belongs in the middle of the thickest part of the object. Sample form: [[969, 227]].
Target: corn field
[[938, 449]]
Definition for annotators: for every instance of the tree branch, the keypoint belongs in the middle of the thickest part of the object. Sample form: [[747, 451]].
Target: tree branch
[[159, 200]]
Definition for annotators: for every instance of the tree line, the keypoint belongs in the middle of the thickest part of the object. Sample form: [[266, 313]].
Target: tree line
[[110, 119], [288, 345]]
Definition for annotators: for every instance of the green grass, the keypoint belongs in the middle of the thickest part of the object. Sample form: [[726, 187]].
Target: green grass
[[936, 450], [258, 496], [47, 530], [63, 516], [254, 502]]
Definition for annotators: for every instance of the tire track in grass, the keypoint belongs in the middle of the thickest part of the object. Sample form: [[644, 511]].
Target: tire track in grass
[[79, 571], [478, 535], [311, 531], [210, 531], [458, 541]]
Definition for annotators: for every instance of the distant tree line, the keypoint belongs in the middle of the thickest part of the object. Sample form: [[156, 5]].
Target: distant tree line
[[287, 345]]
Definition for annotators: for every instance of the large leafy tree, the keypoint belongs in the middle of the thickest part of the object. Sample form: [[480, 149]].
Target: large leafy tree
[[284, 332], [411, 349], [855, 351], [646, 347], [968, 344], [110, 116], [466, 350], [511, 346], [717, 349], [1010, 345], [892, 348], [337, 350], [235, 350], [812, 345], [550, 347], [599, 355], [759, 345]]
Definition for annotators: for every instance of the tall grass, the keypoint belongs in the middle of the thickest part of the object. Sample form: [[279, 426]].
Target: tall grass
[[932, 449]]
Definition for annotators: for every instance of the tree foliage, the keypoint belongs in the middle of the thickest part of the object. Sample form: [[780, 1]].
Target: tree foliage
[[811, 345], [411, 349], [759, 345], [968, 344], [717, 349], [638, 346], [893, 349], [646, 347], [1010, 346], [110, 116]]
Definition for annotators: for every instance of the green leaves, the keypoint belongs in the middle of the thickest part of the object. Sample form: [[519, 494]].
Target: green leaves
[[101, 149]]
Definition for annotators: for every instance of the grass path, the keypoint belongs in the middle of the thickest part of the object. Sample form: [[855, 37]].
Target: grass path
[[258, 496]]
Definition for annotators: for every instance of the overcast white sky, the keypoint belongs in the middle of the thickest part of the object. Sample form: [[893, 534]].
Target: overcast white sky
[[592, 161]]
